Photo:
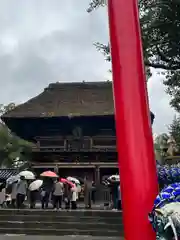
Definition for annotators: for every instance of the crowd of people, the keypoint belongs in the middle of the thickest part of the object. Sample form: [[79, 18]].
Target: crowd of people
[[52, 191]]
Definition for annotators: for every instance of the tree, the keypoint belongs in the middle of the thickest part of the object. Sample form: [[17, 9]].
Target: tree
[[6, 108], [14, 152], [174, 131], [160, 24], [161, 146]]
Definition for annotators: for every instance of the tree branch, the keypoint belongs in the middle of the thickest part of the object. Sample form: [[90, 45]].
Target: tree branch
[[162, 66], [94, 4]]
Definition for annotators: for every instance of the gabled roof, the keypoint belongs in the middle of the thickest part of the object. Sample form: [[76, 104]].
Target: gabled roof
[[68, 99]]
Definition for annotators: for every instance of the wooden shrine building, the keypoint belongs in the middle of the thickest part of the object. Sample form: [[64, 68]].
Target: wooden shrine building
[[73, 128]]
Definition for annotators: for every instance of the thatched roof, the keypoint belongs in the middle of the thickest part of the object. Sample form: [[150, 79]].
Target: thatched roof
[[68, 99]]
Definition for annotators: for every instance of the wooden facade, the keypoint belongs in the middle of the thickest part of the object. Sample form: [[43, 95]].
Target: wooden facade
[[92, 155], [71, 144]]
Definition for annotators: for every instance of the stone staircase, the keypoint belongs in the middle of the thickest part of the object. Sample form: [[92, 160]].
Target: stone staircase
[[60, 223]]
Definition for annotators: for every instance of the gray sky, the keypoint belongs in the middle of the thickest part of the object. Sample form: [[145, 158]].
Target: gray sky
[[48, 41]]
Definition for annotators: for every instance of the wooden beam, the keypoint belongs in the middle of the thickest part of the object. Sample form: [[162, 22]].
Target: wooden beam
[[74, 165]]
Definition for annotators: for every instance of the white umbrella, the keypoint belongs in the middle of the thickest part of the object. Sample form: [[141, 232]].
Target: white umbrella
[[35, 185], [72, 179], [13, 179], [27, 174], [114, 177]]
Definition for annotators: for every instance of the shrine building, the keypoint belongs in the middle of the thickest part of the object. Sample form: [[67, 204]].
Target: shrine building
[[72, 127]]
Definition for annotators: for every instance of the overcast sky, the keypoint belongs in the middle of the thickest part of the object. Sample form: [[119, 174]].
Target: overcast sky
[[48, 41]]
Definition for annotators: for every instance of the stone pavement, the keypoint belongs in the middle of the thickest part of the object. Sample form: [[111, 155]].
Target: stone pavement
[[23, 237]]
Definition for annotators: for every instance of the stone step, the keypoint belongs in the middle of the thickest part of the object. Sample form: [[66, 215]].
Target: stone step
[[48, 222], [61, 225], [59, 218], [60, 232], [88, 213]]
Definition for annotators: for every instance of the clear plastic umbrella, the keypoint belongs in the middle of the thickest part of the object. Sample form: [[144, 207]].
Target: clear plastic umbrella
[[114, 178], [35, 185], [27, 175], [13, 179], [72, 179]]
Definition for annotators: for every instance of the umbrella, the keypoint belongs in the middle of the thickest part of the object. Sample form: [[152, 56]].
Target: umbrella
[[64, 180], [72, 179], [27, 174], [78, 188], [12, 179], [49, 174], [106, 182], [35, 185], [114, 178]]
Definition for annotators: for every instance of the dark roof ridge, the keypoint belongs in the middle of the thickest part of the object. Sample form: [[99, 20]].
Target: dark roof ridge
[[59, 85]]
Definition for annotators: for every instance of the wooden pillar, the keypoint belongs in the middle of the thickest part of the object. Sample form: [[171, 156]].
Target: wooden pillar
[[97, 174], [56, 169]]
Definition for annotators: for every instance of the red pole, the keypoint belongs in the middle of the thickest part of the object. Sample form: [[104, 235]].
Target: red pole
[[134, 136]]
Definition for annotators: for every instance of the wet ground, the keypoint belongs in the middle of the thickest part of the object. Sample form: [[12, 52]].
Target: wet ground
[[96, 206], [23, 237]]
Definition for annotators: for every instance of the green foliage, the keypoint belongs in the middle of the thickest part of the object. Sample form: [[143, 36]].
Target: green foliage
[[161, 146], [6, 108], [14, 151], [174, 131], [160, 25]]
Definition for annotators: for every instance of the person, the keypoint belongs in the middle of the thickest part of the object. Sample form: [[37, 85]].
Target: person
[[58, 194], [14, 194], [74, 197], [46, 191], [119, 207], [21, 192], [2, 196], [87, 192], [67, 195], [33, 198], [114, 193], [8, 200], [93, 192], [43, 197]]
